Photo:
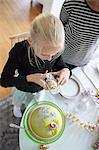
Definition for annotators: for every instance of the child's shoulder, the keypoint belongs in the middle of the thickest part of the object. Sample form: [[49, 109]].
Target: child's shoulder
[[20, 48], [22, 44]]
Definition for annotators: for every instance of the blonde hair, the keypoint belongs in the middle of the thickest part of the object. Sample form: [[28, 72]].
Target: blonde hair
[[46, 29]]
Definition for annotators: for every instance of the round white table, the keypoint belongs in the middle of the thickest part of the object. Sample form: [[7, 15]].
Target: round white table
[[74, 137]]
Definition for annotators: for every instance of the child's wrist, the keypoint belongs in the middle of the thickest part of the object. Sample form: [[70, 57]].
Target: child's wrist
[[28, 78]]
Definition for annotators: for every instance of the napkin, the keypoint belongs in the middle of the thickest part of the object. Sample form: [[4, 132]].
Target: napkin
[[82, 79], [92, 72]]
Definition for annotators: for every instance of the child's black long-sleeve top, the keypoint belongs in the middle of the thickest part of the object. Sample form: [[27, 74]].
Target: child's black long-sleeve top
[[18, 59]]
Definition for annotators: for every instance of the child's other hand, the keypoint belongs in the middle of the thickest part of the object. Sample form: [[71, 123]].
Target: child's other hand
[[62, 76], [37, 78]]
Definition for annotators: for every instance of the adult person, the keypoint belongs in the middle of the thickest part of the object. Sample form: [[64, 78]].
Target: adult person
[[81, 24], [34, 59]]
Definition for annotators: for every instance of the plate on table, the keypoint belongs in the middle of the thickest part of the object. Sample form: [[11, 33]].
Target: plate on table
[[71, 89]]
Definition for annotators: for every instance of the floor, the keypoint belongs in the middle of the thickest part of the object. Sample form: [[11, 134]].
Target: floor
[[15, 17], [8, 135]]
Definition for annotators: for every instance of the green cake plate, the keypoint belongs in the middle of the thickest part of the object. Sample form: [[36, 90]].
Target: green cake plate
[[44, 122]]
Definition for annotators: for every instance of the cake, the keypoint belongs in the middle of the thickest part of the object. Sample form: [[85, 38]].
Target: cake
[[51, 81], [44, 123], [52, 84]]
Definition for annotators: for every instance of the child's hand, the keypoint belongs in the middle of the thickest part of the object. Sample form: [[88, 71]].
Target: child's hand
[[62, 76], [37, 78]]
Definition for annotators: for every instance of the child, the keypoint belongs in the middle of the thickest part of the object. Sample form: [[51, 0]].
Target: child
[[34, 59]]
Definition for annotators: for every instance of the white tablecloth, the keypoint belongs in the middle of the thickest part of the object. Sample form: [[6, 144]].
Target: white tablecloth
[[74, 137]]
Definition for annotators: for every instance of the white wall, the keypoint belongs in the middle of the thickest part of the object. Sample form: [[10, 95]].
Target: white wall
[[51, 6]]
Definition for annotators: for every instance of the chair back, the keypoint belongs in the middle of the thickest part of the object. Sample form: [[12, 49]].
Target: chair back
[[18, 37]]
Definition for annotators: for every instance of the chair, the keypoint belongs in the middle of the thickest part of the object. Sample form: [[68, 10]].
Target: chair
[[18, 37], [14, 39]]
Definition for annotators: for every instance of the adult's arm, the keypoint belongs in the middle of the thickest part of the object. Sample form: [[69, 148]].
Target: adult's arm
[[65, 11]]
